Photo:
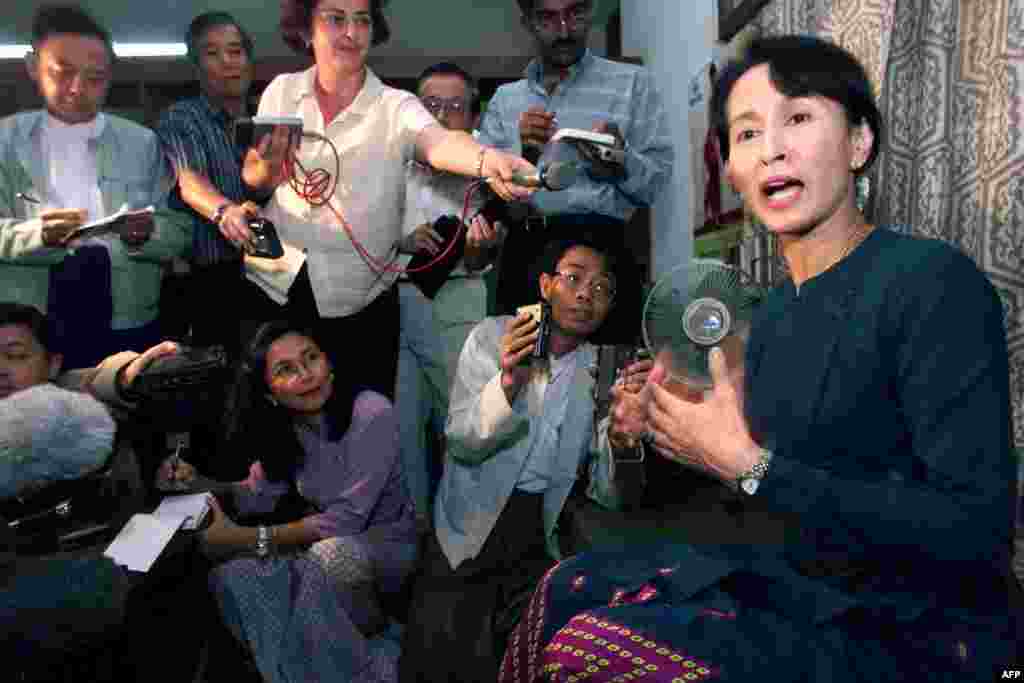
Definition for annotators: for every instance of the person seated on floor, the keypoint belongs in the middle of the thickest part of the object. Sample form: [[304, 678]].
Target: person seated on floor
[[303, 594], [55, 426], [519, 431], [875, 407]]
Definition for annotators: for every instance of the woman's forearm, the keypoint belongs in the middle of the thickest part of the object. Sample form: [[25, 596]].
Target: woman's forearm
[[449, 150]]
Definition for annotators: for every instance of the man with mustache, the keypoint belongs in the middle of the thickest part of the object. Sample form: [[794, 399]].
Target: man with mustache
[[567, 86], [70, 164]]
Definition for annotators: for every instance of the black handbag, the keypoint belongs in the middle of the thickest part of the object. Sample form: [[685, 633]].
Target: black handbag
[[77, 512]]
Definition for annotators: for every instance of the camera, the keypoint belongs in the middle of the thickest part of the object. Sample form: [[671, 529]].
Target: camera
[[265, 242]]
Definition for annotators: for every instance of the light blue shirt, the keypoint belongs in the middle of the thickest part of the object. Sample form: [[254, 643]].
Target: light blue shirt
[[596, 90], [547, 427]]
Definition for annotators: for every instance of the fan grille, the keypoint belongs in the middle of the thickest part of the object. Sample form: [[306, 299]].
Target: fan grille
[[694, 308]]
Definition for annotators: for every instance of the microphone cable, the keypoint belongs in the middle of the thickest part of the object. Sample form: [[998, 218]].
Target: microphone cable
[[318, 186]]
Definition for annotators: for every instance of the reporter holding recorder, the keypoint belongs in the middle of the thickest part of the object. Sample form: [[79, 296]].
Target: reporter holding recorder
[[334, 276]]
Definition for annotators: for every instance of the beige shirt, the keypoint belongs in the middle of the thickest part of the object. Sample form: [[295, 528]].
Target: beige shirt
[[375, 137]]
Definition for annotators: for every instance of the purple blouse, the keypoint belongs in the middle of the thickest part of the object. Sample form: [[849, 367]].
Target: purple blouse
[[354, 483]]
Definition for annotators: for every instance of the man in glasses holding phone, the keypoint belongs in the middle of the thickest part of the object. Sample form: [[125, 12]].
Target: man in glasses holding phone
[[433, 330], [568, 86]]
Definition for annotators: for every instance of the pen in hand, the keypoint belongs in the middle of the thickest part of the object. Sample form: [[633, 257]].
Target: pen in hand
[[28, 198]]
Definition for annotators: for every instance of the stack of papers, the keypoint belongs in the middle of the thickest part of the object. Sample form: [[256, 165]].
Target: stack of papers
[[143, 538], [109, 224]]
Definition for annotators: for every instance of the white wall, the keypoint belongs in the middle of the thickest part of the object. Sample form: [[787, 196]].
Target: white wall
[[674, 38]]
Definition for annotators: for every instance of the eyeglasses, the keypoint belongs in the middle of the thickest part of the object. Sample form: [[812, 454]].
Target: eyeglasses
[[601, 288], [573, 18], [361, 21], [451, 105]]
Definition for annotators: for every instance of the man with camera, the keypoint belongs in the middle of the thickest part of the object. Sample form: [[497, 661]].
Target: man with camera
[[68, 165], [567, 86], [521, 427], [197, 135], [434, 324]]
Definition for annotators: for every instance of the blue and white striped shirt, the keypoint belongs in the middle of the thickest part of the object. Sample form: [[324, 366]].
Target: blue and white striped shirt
[[596, 90], [196, 135]]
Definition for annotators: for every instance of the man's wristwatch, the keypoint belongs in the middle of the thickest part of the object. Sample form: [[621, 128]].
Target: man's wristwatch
[[218, 213], [749, 481], [262, 542]]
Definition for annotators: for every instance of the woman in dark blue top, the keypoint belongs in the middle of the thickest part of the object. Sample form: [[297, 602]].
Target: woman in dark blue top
[[875, 409]]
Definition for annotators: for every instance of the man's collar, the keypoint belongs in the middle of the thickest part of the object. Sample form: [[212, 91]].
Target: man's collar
[[362, 104], [535, 69], [215, 109], [93, 129]]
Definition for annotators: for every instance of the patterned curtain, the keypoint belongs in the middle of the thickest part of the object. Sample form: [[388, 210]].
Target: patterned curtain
[[949, 75]]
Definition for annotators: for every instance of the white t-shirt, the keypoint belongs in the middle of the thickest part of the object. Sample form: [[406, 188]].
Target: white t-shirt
[[375, 137], [71, 165]]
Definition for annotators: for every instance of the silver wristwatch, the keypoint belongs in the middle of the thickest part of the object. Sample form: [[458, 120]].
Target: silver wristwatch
[[749, 481], [262, 541]]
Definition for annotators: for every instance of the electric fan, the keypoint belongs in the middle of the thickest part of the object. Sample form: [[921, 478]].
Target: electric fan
[[694, 308]]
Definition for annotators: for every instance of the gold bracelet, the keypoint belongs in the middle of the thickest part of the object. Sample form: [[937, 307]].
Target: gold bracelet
[[480, 163]]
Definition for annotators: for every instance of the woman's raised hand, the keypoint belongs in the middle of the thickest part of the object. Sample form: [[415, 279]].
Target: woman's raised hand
[[711, 434]]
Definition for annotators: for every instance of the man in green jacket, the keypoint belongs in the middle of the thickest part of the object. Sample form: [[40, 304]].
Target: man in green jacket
[[70, 164]]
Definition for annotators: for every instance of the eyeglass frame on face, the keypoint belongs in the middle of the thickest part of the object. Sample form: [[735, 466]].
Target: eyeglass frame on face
[[574, 18], [449, 105], [573, 282], [339, 19]]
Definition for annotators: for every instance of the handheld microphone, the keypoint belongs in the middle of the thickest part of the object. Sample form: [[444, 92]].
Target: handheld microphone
[[555, 176]]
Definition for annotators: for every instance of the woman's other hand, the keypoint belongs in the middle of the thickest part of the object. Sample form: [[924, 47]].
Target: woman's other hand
[[628, 410], [220, 538], [175, 475], [711, 434], [265, 164]]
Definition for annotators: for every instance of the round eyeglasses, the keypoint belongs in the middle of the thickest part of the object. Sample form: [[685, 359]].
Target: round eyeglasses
[[440, 105], [601, 288]]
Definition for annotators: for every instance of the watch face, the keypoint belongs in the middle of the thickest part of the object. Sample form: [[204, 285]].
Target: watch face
[[750, 485]]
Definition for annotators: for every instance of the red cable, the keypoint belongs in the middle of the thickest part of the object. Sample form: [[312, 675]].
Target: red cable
[[317, 188]]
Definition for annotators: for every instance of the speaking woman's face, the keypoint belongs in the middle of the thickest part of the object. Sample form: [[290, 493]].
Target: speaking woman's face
[[792, 158], [342, 31], [298, 374]]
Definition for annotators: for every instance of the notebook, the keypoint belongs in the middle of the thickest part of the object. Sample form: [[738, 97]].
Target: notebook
[[142, 539]]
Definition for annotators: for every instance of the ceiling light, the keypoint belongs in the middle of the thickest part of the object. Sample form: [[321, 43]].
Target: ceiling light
[[120, 49]]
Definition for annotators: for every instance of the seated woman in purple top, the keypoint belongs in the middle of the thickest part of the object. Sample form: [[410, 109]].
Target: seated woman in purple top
[[302, 594]]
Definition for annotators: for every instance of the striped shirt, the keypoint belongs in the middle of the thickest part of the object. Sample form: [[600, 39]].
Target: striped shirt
[[596, 90], [196, 135]]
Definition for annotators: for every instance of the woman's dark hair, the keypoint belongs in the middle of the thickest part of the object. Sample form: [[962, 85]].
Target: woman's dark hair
[[297, 22], [257, 429], [203, 23], [802, 66], [51, 20], [29, 317]]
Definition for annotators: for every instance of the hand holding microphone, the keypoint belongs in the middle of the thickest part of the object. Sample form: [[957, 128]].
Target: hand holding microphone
[[505, 173]]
